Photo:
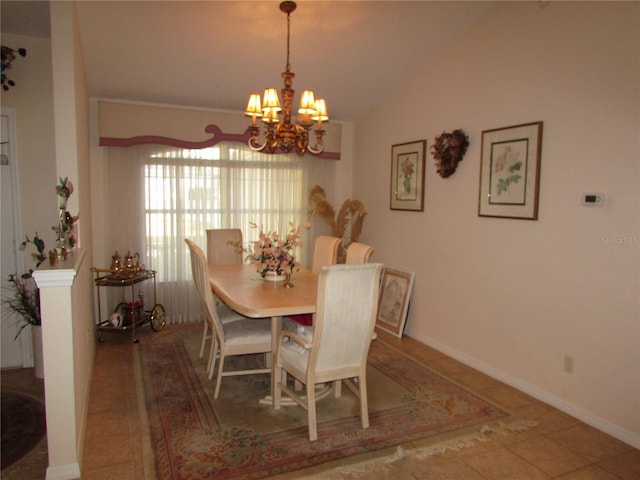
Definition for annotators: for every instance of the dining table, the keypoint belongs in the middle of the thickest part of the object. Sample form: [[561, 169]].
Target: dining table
[[242, 289]]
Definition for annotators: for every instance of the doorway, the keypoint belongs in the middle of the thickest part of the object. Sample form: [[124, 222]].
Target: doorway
[[15, 353]]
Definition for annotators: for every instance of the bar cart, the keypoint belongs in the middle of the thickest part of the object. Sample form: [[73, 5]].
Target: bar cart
[[130, 313]]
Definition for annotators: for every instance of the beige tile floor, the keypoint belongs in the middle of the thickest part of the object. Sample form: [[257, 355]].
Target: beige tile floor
[[559, 447]]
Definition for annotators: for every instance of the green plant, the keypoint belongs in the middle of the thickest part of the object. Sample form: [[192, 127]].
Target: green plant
[[39, 244], [23, 300]]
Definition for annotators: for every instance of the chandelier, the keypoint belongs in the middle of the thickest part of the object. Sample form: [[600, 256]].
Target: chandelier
[[285, 135]]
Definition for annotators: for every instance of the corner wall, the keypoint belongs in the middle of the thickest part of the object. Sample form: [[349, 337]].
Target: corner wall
[[514, 297]]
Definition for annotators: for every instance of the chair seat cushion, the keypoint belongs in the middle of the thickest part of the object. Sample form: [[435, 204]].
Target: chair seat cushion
[[294, 354], [248, 330]]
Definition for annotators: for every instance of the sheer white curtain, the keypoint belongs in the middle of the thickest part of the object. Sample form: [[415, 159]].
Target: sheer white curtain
[[158, 196]]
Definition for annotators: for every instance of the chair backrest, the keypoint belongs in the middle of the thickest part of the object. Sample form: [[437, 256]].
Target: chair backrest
[[325, 252], [345, 318], [358, 253], [201, 280], [219, 252]]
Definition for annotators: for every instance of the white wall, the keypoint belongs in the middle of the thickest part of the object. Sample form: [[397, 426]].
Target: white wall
[[52, 115], [71, 116], [32, 97], [513, 297]]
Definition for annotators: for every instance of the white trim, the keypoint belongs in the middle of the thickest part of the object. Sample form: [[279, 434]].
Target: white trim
[[68, 471], [180, 106], [561, 404], [62, 274]]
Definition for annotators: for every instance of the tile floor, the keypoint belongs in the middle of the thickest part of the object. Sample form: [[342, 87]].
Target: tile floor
[[559, 447]]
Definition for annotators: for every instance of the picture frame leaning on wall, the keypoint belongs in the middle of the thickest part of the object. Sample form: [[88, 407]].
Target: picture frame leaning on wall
[[396, 286]]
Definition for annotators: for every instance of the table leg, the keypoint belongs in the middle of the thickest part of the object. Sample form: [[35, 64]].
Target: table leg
[[276, 328]]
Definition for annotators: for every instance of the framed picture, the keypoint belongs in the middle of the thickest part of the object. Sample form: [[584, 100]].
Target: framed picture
[[407, 176], [510, 172], [393, 303]]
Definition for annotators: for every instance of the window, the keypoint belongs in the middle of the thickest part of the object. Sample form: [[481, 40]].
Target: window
[[168, 194]]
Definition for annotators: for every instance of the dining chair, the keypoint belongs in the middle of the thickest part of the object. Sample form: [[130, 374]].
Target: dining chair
[[347, 303], [242, 336], [325, 252], [358, 253], [219, 250]]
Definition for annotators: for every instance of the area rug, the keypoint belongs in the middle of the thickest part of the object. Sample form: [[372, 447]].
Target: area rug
[[23, 426], [192, 436]]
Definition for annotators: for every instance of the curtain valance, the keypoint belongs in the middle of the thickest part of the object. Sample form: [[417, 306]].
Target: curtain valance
[[126, 124]]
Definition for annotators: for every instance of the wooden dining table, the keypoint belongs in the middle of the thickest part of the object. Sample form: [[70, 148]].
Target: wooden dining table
[[243, 290]]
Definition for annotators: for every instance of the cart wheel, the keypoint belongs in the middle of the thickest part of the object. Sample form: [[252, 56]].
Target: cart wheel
[[158, 318]]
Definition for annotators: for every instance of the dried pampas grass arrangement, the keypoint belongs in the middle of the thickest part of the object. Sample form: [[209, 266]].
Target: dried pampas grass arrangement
[[352, 212]]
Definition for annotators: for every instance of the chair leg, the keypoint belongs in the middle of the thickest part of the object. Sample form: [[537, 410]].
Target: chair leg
[[219, 375], [364, 404], [311, 411], [267, 360], [205, 329], [337, 388], [277, 392], [213, 353]]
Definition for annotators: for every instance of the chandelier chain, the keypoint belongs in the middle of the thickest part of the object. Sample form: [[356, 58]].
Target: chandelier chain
[[288, 68]]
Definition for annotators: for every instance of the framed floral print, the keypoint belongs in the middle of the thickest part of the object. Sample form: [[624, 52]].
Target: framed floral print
[[510, 172], [393, 302], [407, 176]]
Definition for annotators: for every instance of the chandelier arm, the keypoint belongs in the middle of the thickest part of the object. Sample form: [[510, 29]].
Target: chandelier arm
[[256, 148], [319, 145]]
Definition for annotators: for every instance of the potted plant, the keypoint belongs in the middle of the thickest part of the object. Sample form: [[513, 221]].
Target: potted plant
[[24, 302]]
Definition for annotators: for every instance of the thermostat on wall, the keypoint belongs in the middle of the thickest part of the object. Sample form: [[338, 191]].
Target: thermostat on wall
[[593, 199]]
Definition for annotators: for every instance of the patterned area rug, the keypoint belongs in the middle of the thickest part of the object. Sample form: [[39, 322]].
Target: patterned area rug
[[194, 437], [23, 426]]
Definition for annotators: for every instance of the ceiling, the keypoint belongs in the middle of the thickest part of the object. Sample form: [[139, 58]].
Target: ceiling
[[212, 54]]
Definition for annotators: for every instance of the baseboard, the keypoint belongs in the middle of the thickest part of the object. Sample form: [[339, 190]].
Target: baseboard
[[561, 404], [68, 471]]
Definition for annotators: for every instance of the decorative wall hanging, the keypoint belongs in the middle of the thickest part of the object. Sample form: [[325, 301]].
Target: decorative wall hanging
[[407, 176], [448, 150], [393, 304], [510, 172], [352, 212], [8, 56]]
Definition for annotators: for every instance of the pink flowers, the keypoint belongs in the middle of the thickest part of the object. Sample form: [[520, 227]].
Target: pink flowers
[[270, 253]]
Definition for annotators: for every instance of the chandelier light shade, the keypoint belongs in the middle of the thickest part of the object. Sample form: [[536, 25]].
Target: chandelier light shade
[[281, 133]]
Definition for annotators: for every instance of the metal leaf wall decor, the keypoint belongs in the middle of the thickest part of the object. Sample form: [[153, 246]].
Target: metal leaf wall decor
[[448, 150], [8, 56]]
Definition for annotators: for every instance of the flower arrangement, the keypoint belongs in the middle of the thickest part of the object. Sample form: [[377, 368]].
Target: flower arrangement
[[273, 253]]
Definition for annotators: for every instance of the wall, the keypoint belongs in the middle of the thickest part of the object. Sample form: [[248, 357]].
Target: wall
[[52, 112], [513, 297], [32, 99], [71, 112]]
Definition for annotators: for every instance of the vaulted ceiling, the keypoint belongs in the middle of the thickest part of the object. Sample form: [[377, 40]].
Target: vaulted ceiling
[[212, 54]]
